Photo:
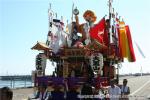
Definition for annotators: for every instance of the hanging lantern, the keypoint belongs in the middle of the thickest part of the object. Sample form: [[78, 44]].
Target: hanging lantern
[[76, 11], [97, 61], [41, 61]]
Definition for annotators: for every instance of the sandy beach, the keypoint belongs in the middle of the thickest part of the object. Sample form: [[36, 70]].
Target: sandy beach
[[22, 93]]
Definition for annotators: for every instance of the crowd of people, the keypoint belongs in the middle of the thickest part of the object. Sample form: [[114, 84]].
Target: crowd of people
[[115, 92], [118, 92]]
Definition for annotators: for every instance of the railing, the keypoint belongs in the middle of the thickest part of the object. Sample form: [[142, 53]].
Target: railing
[[16, 82], [47, 80]]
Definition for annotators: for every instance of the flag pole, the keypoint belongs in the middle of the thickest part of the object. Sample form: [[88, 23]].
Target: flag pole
[[72, 12], [72, 19], [110, 16], [49, 25], [109, 28], [109, 36], [50, 15]]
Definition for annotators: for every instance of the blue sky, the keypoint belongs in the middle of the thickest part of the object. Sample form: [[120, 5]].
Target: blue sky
[[24, 22]]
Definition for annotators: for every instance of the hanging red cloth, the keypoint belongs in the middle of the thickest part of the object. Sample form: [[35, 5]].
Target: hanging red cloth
[[131, 50], [98, 30]]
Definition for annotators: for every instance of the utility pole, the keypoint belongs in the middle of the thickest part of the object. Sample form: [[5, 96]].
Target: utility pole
[[141, 71], [109, 35]]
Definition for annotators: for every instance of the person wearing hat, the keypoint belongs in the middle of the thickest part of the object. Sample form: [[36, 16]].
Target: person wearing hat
[[125, 90]]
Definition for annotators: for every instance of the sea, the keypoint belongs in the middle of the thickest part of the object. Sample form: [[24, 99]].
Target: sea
[[16, 83]]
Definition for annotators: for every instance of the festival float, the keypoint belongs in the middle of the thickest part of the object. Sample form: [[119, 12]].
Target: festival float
[[84, 53]]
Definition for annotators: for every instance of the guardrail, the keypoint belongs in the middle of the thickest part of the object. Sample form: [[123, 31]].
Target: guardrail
[[16, 82], [71, 81]]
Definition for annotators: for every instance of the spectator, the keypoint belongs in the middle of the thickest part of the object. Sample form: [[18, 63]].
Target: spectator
[[57, 94], [6, 93], [125, 90], [114, 91], [42, 93], [72, 94], [98, 94], [87, 92]]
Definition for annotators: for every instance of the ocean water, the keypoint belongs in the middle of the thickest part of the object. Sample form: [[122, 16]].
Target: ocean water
[[15, 83]]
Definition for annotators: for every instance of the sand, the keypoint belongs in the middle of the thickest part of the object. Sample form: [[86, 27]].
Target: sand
[[22, 93]]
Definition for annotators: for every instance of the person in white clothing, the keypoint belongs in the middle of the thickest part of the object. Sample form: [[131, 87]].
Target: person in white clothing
[[114, 91], [125, 90], [42, 93]]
